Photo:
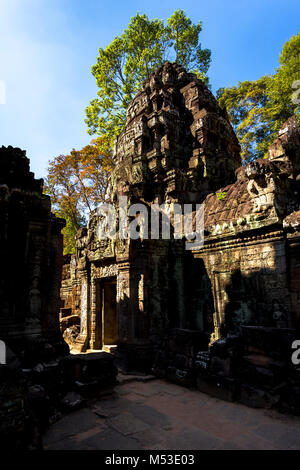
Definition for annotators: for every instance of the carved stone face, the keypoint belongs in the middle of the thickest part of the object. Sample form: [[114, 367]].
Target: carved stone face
[[252, 170]]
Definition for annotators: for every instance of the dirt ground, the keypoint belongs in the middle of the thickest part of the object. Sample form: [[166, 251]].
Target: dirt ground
[[158, 415]]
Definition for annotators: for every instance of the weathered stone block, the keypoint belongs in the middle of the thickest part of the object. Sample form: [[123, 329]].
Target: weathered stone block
[[186, 342], [224, 347], [184, 377], [220, 366], [224, 388], [135, 357], [275, 342], [85, 368], [68, 321], [257, 397]]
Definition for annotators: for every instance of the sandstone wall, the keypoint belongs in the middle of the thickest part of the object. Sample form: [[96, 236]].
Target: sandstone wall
[[31, 254], [178, 147]]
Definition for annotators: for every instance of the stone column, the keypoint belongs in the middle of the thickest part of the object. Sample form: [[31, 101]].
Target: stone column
[[218, 307], [178, 277], [35, 263], [82, 340], [95, 342], [125, 321]]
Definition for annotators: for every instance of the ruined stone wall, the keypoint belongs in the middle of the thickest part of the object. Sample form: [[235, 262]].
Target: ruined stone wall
[[291, 225], [31, 253], [39, 377], [178, 147], [249, 283], [161, 158], [250, 248], [30, 278]]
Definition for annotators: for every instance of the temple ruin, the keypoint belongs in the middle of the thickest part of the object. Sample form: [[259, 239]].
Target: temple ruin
[[149, 300], [38, 377], [177, 147], [31, 255], [220, 315]]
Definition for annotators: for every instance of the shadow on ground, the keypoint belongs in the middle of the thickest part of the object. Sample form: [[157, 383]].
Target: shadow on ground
[[158, 415]]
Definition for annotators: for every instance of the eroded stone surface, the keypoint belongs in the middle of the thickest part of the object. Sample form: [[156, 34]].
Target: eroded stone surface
[[31, 253], [38, 380], [30, 277], [179, 147], [172, 417]]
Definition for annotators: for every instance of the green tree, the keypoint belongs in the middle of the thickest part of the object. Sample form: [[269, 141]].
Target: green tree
[[129, 59], [258, 109], [183, 35], [77, 183]]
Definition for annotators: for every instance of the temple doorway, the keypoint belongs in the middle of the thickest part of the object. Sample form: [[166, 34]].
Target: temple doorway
[[109, 313]]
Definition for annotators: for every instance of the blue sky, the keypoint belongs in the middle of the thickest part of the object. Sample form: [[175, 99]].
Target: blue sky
[[47, 48]]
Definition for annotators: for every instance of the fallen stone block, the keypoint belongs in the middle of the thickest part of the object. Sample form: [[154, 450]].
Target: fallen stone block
[[257, 398], [184, 377], [224, 388], [90, 371], [68, 321], [186, 342], [72, 401], [220, 366]]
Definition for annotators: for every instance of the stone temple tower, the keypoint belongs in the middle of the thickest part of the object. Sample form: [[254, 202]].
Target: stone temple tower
[[205, 312], [177, 147], [177, 144]]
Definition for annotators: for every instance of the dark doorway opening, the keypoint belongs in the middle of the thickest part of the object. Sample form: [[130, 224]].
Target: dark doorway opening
[[109, 313]]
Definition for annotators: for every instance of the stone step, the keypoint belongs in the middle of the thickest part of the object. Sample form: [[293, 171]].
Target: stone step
[[110, 348], [126, 378]]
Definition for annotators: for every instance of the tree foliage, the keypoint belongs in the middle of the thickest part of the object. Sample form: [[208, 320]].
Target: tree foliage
[[129, 59], [258, 109], [183, 36], [77, 184]]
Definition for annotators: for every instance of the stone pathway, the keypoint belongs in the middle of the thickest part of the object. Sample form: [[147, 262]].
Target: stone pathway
[[158, 415]]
